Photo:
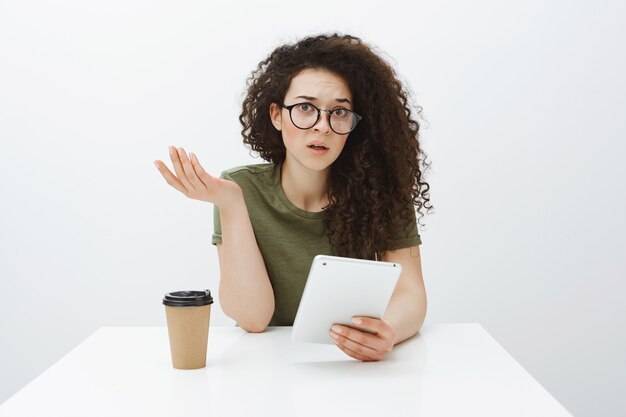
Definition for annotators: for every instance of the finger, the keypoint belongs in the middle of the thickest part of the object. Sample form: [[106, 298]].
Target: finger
[[353, 354], [189, 172], [178, 167], [370, 341], [170, 178], [380, 327], [358, 348], [202, 175]]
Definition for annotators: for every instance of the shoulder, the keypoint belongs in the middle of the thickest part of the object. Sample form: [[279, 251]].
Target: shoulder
[[246, 171], [252, 177]]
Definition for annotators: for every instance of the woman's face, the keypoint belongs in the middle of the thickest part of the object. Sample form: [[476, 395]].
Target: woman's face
[[326, 90]]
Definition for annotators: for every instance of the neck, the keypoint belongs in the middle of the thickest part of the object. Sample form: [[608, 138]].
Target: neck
[[305, 188]]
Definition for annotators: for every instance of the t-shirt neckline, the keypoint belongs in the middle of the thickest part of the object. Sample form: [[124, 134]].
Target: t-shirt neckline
[[280, 193]]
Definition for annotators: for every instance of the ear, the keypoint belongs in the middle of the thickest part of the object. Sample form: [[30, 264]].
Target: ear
[[276, 115]]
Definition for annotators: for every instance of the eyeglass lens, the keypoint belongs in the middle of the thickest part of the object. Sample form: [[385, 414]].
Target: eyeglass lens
[[305, 115]]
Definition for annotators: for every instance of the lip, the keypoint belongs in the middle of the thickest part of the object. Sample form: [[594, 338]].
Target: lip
[[318, 151], [317, 143]]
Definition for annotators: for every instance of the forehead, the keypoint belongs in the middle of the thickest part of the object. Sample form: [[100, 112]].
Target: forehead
[[319, 83]]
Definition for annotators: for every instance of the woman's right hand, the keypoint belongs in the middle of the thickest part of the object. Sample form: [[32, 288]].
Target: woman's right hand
[[194, 182]]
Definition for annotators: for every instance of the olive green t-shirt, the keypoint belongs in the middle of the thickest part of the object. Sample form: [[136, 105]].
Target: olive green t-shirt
[[288, 237]]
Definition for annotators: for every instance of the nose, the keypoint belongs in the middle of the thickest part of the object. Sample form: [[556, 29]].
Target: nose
[[323, 124]]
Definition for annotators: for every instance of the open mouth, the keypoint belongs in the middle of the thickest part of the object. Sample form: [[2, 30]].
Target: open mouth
[[318, 147]]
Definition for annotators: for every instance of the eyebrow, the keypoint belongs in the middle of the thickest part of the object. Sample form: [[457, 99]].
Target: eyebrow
[[340, 100]]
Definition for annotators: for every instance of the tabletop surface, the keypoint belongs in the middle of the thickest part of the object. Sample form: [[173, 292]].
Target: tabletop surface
[[445, 370]]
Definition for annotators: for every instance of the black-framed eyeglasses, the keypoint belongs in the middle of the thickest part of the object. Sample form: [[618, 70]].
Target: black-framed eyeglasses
[[306, 115]]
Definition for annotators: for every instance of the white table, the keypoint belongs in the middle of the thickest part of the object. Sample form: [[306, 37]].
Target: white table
[[446, 370]]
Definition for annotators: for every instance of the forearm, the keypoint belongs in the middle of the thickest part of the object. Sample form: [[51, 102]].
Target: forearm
[[246, 293], [406, 313]]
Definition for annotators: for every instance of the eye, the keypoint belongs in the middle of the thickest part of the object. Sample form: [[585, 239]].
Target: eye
[[305, 107], [340, 112]]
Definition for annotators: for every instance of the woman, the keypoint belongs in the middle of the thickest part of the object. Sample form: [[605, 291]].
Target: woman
[[343, 178]]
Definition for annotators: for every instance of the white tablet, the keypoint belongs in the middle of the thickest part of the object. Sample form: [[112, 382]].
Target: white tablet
[[338, 289]]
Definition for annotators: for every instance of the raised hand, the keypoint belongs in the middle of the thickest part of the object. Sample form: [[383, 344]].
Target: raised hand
[[193, 181]]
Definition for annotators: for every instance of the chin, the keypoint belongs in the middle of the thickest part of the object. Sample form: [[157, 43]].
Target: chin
[[318, 166]]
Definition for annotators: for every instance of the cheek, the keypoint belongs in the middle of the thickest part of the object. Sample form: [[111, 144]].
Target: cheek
[[342, 143], [291, 130], [292, 135]]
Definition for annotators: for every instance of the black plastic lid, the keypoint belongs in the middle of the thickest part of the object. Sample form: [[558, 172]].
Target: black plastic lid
[[188, 298]]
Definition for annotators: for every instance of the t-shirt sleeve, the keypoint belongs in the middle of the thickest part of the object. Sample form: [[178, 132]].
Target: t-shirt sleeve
[[405, 235], [216, 238]]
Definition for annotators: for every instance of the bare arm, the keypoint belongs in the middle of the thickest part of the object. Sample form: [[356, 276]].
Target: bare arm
[[246, 293], [407, 308]]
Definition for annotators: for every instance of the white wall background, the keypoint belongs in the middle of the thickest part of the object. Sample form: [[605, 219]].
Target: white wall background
[[526, 131]]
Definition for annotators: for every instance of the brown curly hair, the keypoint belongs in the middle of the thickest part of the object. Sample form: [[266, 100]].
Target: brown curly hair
[[377, 177]]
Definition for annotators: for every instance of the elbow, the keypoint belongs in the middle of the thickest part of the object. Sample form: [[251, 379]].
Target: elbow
[[250, 326], [251, 318], [251, 323], [256, 326], [253, 328], [423, 312]]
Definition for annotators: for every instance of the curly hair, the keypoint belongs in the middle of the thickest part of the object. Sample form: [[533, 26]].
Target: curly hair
[[377, 178]]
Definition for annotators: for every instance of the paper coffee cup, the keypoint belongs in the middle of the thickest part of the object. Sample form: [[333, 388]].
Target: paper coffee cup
[[188, 314]]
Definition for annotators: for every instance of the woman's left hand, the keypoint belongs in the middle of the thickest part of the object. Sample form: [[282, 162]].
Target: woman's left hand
[[365, 346]]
